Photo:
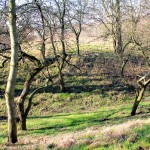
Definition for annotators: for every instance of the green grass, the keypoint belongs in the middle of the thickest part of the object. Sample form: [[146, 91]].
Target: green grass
[[94, 99], [97, 47], [71, 122]]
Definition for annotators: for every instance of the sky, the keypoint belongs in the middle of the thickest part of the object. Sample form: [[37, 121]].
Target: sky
[[19, 2]]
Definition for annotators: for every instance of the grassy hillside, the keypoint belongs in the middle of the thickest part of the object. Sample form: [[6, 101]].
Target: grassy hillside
[[107, 128], [94, 113]]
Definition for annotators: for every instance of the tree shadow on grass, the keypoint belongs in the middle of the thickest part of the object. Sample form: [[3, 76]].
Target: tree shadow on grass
[[3, 118], [74, 123], [93, 89], [76, 120]]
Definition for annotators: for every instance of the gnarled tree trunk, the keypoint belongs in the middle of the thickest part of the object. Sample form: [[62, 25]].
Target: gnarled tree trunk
[[21, 100], [137, 101], [143, 84], [22, 112]]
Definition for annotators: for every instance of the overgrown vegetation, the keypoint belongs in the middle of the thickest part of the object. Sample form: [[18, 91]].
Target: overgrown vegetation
[[94, 100], [83, 69]]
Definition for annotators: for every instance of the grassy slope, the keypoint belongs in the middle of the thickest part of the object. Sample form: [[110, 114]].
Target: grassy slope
[[78, 122], [95, 99]]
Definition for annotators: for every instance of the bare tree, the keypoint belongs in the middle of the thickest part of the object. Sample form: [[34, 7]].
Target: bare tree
[[39, 66], [140, 36], [76, 14], [9, 94], [43, 28], [143, 82], [56, 22]]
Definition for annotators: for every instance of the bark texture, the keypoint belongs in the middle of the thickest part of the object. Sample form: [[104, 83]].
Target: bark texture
[[140, 93], [119, 45], [9, 93]]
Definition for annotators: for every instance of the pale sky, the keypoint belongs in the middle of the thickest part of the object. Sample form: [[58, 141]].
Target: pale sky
[[22, 1]]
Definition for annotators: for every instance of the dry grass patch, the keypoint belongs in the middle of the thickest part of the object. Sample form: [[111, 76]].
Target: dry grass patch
[[97, 136], [122, 130], [91, 137]]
